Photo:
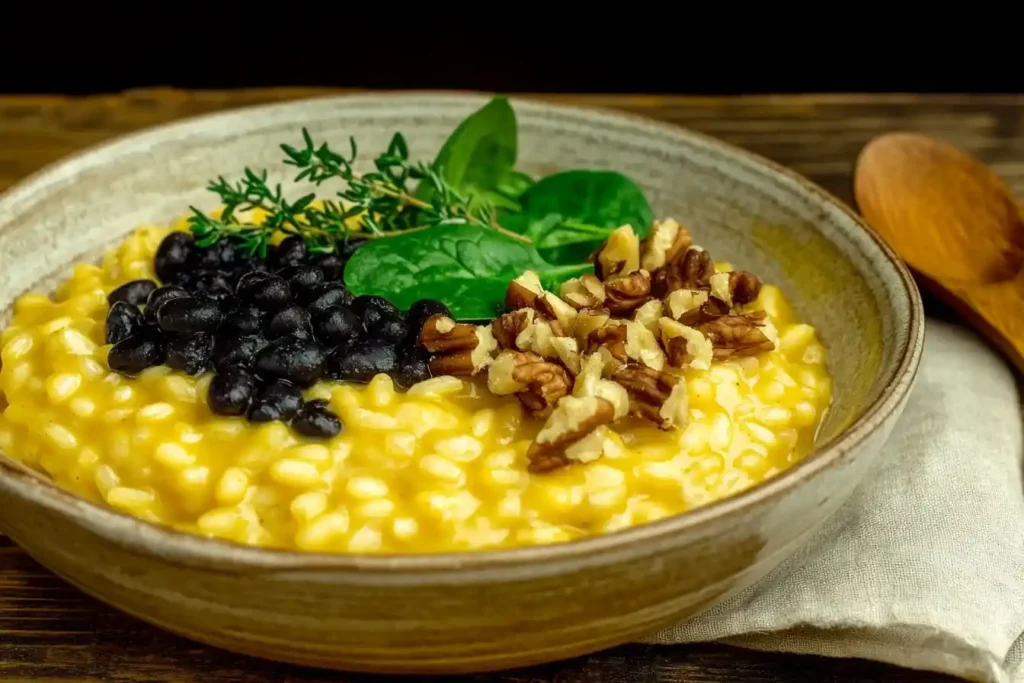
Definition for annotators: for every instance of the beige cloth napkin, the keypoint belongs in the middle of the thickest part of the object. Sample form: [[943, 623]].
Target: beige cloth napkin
[[924, 566]]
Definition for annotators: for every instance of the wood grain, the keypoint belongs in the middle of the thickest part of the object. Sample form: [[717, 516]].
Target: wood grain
[[49, 631]]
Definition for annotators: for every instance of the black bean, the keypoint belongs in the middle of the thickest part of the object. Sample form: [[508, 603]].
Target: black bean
[[204, 258], [231, 392], [123, 319], [299, 361], [250, 278], [412, 368], [228, 253], [337, 326], [363, 360], [290, 252], [326, 296], [279, 400], [236, 351], [189, 315], [206, 280], [383, 325], [144, 349], [361, 304], [191, 354], [292, 320], [186, 277], [159, 296], [331, 265], [316, 420], [222, 296], [135, 292], [302, 279], [423, 309], [245, 319], [172, 254], [269, 293]]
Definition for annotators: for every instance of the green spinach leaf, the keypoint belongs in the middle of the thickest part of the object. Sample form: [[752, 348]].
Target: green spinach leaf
[[445, 262], [480, 153], [569, 214]]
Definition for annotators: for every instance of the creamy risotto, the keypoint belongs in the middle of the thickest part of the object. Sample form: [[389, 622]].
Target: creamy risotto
[[661, 383]]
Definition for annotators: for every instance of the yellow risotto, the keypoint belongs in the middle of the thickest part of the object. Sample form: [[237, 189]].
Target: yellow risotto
[[440, 467]]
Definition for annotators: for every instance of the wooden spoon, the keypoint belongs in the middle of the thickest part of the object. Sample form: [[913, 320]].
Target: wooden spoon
[[955, 223]]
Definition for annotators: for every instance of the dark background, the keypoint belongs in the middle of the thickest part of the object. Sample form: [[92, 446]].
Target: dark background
[[79, 48]]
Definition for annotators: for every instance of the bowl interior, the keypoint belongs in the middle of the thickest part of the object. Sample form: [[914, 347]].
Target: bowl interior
[[743, 211]]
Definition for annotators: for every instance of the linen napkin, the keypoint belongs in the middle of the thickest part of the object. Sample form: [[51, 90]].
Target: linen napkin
[[924, 565]]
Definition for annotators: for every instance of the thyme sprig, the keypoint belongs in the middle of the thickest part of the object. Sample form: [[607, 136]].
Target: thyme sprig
[[382, 200]]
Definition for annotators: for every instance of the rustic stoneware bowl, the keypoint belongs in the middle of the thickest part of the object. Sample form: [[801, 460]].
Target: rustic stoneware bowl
[[479, 611]]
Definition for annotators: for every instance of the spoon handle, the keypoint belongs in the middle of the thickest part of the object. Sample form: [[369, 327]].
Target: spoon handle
[[996, 310]]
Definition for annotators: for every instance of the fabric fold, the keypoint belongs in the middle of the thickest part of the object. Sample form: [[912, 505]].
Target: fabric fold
[[924, 565]]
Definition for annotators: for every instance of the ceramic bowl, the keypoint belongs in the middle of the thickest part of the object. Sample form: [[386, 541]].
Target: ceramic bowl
[[489, 610]]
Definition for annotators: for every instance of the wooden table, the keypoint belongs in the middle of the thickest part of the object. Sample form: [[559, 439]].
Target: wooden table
[[50, 632]]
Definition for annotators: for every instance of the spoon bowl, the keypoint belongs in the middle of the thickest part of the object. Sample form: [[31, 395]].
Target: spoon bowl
[[955, 223]]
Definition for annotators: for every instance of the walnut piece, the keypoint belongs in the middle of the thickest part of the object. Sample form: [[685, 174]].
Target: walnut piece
[[649, 314], [628, 291], [744, 286], [612, 338], [463, 349], [692, 271], [655, 395], [619, 254], [666, 241], [536, 382], [588, 320], [591, 382], [682, 301], [735, 336], [685, 346], [573, 419], [642, 345], [554, 308], [507, 327], [523, 290], [710, 310], [568, 351], [720, 288], [583, 292]]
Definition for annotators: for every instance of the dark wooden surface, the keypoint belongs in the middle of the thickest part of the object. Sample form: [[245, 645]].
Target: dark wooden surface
[[51, 632]]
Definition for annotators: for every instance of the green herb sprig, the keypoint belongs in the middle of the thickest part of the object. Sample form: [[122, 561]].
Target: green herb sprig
[[382, 199]]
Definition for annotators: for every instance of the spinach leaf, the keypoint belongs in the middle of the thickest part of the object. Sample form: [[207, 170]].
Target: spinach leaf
[[458, 264], [475, 299], [569, 214], [479, 154]]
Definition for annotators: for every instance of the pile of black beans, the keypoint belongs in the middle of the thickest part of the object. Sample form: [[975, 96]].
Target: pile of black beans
[[267, 327]]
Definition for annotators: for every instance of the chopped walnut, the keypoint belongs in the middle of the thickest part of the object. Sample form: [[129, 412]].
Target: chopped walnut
[[692, 271], [509, 326], [665, 243], [643, 346], [568, 351], [554, 308], [696, 268], [682, 301], [648, 316], [573, 419], [685, 346], [655, 395], [620, 254], [628, 291], [744, 286], [611, 337], [591, 382], [538, 337], [537, 383], [735, 336], [720, 288], [587, 321], [523, 290], [441, 334], [460, 354], [583, 292], [711, 309]]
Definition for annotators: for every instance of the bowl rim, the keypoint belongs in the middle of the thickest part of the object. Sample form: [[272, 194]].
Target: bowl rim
[[187, 549]]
